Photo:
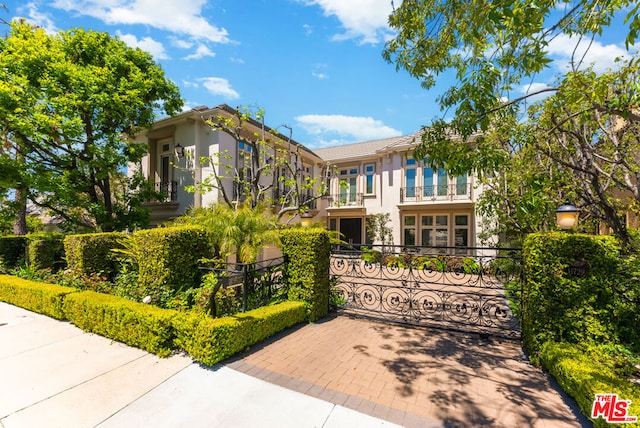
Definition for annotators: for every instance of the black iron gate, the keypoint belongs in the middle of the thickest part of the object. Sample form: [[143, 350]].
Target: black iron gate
[[465, 289]]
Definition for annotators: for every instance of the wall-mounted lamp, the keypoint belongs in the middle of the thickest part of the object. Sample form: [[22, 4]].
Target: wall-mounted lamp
[[567, 216], [305, 219], [179, 150]]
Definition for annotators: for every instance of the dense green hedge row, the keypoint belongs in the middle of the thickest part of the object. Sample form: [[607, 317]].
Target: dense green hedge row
[[210, 340], [307, 269], [579, 295], [168, 259], [581, 376], [91, 253], [45, 299], [45, 251], [137, 324], [13, 250], [570, 290], [154, 329]]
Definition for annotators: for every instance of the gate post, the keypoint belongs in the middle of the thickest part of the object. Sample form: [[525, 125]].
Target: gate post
[[307, 252]]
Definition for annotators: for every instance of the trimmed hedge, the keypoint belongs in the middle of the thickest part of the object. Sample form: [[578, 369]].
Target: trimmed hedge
[[568, 295], [210, 340], [45, 251], [148, 327], [13, 250], [307, 269], [38, 297], [582, 377], [169, 258], [136, 324], [91, 253]]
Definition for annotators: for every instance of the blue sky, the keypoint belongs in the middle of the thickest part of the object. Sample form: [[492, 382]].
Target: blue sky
[[314, 65]]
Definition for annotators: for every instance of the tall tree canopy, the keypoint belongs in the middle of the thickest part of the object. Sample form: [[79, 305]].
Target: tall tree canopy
[[495, 47], [67, 102]]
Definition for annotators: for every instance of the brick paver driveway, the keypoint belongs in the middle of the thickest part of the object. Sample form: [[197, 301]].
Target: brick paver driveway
[[411, 376]]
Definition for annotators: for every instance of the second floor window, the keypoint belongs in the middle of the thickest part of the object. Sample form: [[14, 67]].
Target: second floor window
[[369, 177], [348, 185]]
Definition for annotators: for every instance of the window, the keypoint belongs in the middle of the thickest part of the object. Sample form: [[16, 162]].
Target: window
[[461, 231], [244, 171], [427, 181], [348, 182], [410, 178], [434, 230], [409, 230], [461, 185], [442, 182], [369, 175]]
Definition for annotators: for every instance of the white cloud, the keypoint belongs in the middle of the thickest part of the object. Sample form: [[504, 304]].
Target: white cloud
[[236, 60], [201, 52], [357, 128], [219, 86], [35, 17], [362, 19], [318, 74], [169, 15], [563, 48], [146, 44], [181, 43]]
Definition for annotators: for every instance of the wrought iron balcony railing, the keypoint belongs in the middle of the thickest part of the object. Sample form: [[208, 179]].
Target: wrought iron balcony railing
[[346, 200], [449, 192], [168, 190]]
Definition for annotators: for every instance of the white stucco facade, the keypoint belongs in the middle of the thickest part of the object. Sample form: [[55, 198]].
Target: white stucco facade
[[426, 206]]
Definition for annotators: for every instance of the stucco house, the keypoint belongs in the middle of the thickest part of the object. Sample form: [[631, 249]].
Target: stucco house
[[183, 150], [427, 207]]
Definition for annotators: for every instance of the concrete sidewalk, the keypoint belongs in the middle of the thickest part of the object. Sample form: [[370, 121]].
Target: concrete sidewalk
[[55, 375]]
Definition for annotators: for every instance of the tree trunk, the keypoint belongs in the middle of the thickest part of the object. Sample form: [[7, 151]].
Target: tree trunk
[[20, 222]]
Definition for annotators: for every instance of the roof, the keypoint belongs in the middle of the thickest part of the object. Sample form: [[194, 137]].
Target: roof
[[367, 148]]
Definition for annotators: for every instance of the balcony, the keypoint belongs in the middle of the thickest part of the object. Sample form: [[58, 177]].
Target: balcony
[[167, 190], [308, 200], [447, 192], [346, 200]]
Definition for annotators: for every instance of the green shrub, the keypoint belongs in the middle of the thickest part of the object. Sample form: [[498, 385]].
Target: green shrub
[[307, 252], [38, 297], [569, 292], [45, 251], [136, 324], [12, 251], [581, 374], [91, 253], [210, 340], [168, 260]]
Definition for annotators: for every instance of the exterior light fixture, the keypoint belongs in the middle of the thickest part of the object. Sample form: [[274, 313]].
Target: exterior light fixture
[[179, 150], [305, 219], [567, 216]]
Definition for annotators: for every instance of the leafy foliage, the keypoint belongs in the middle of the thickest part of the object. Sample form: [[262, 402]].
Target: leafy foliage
[[92, 253], [585, 133], [168, 260], [269, 169], [308, 252], [68, 101], [576, 292]]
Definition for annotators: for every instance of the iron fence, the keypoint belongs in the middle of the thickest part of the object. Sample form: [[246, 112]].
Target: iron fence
[[255, 284], [474, 289]]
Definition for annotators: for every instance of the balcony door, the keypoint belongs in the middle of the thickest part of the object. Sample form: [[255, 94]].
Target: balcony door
[[165, 170]]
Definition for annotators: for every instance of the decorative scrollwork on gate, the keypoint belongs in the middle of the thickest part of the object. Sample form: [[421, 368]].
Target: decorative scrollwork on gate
[[470, 289]]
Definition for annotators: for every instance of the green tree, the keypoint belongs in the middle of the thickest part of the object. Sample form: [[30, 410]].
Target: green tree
[[67, 103], [492, 48], [244, 231], [269, 169]]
